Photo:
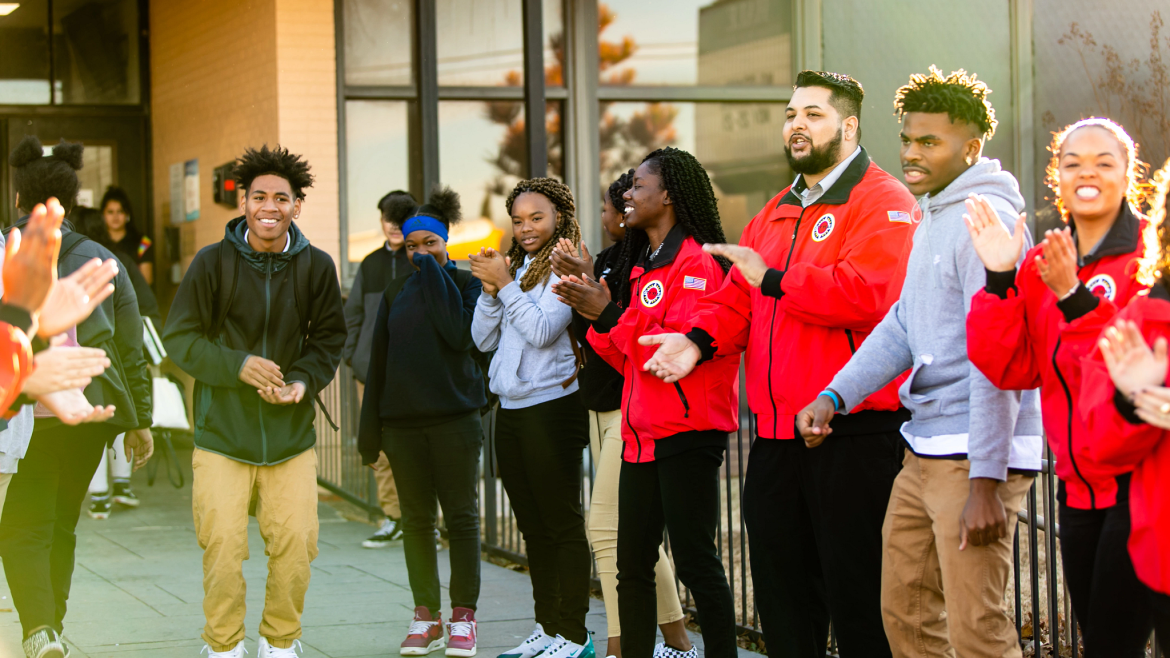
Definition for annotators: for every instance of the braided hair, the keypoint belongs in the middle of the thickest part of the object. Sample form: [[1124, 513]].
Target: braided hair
[[562, 198], [619, 271], [685, 180]]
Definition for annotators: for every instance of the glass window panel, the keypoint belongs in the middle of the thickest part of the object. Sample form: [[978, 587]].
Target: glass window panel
[[1089, 62], [24, 54], [379, 42], [99, 162], [741, 146], [376, 162], [688, 42], [482, 154], [95, 45], [481, 42]]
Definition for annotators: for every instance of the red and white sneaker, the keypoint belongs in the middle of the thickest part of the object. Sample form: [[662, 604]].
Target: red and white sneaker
[[461, 632], [425, 634]]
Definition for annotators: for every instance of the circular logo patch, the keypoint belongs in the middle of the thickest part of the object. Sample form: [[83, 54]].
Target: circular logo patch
[[823, 227], [652, 294], [1102, 285]]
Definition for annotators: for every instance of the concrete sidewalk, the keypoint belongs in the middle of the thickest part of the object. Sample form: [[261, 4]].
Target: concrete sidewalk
[[137, 589]]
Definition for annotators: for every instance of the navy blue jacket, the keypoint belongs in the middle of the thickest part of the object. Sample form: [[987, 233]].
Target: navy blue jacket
[[421, 367]]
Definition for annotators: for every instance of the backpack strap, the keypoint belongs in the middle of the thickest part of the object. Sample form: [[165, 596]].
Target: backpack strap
[[69, 242], [392, 290], [229, 269], [302, 275]]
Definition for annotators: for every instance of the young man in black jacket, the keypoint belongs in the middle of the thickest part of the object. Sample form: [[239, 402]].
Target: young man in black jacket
[[257, 321], [377, 270], [37, 541]]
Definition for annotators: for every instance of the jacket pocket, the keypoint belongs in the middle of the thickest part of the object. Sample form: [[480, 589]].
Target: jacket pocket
[[920, 362]]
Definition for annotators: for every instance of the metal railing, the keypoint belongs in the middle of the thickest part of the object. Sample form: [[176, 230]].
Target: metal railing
[[1037, 596]]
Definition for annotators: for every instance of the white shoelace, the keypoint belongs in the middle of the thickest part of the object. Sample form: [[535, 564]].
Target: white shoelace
[[537, 635], [459, 629], [418, 627]]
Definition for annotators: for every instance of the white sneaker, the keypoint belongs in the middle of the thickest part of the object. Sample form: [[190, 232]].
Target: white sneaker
[[536, 644], [237, 652], [566, 649], [266, 650], [663, 651]]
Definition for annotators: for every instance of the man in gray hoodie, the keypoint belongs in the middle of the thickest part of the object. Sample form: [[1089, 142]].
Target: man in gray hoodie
[[973, 449]]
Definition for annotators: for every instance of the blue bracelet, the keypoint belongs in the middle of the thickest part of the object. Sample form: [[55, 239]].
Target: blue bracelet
[[837, 401]]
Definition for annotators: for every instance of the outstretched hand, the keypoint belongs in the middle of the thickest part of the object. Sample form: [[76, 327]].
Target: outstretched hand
[[675, 358], [61, 368], [749, 263], [998, 249], [72, 408]]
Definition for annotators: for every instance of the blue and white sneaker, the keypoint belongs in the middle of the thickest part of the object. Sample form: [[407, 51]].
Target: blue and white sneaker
[[563, 648], [535, 645]]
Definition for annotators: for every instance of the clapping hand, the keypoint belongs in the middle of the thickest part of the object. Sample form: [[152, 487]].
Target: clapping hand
[[749, 263], [492, 269], [998, 249], [1132, 365], [587, 296], [1057, 262], [567, 261], [675, 358], [61, 368], [30, 260]]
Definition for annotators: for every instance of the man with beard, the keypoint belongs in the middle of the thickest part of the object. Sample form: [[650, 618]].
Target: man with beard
[[815, 272]]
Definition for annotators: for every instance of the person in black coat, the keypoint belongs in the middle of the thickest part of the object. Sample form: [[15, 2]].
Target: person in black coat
[[422, 409]]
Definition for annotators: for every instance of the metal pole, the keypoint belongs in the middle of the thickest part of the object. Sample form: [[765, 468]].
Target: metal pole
[[427, 75], [534, 97]]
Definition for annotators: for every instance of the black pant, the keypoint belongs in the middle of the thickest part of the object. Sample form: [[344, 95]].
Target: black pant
[[1109, 600], [539, 452], [814, 520], [439, 462], [44, 501], [679, 494]]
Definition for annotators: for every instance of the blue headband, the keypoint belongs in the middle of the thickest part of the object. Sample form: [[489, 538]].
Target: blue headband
[[424, 223]]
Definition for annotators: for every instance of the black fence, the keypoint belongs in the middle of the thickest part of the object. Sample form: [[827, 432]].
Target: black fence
[[1038, 595]]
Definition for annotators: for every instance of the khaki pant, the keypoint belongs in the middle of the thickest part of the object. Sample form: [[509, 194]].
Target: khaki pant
[[921, 560], [5, 478], [287, 512], [605, 442], [383, 476]]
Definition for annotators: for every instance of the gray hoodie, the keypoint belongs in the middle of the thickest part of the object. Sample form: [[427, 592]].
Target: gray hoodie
[[529, 331], [956, 411]]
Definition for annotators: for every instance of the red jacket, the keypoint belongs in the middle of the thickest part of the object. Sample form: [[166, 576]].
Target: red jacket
[[16, 364], [837, 267], [663, 298], [1023, 340], [1134, 445]]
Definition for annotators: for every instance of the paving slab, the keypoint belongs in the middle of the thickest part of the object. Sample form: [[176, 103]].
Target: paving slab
[[138, 588]]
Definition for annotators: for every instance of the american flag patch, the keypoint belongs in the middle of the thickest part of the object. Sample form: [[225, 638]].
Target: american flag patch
[[899, 216], [694, 283]]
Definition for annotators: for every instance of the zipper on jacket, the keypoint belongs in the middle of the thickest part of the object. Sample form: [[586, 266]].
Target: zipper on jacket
[[264, 350], [1071, 455], [634, 381], [683, 397], [772, 331], [852, 345]]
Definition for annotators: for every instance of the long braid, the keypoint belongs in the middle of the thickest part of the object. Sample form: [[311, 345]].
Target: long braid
[[562, 198], [619, 271], [695, 208]]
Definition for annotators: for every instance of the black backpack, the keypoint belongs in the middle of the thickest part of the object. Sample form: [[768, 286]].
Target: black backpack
[[482, 359], [229, 270]]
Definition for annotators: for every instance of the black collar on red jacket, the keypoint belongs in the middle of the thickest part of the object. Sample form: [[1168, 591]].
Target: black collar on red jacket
[[666, 253], [839, 192], [1123, 237]]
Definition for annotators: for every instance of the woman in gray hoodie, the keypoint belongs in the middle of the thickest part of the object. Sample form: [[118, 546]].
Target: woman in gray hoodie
[[542, 426]]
